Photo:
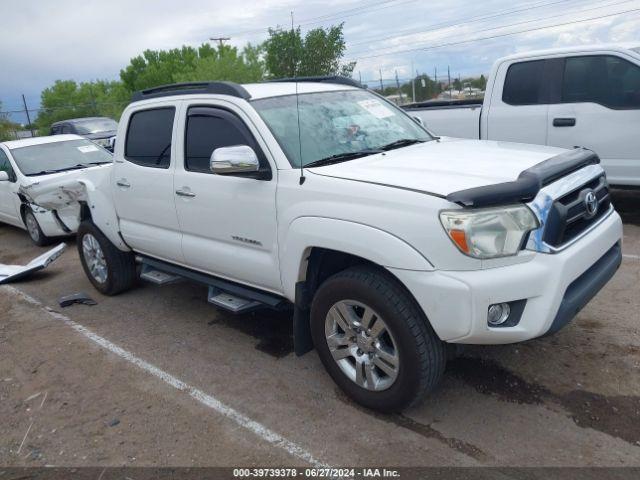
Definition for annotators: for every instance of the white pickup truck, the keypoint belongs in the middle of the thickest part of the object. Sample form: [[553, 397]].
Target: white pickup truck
[[320, 196], [585, 96]]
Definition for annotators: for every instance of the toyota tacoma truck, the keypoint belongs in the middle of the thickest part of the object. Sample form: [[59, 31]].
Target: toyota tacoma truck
[[585, 96], [316, 195]]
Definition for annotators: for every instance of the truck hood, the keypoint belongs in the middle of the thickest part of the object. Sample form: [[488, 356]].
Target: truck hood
[[444, 166]]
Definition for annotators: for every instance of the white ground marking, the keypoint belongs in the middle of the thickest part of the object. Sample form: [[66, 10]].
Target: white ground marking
[[24, 438], [635, 257], [205, 399]]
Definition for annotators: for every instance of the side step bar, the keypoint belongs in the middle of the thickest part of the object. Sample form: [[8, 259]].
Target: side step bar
[[225, 294], [230, 302], [158, 277]]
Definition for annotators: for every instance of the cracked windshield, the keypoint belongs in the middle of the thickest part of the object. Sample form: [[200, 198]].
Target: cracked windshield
[[336, 123]]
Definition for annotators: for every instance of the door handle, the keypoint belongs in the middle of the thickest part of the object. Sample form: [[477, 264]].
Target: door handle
[[123, 183], [564, 122], [185, 193]]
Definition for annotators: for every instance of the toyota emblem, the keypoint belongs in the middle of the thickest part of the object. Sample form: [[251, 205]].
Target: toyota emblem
[[591, 203]]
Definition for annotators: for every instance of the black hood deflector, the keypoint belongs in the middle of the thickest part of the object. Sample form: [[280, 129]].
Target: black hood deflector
[[529, 182]]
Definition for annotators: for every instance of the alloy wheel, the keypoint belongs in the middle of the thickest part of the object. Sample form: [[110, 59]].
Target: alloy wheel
[[94, 258], [362, 345]]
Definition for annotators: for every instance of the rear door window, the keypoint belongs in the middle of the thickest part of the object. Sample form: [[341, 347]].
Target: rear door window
[[149, 134], [604, 79], [523, 83]]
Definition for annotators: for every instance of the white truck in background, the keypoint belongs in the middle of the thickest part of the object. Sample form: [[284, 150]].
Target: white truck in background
[[585, 96]]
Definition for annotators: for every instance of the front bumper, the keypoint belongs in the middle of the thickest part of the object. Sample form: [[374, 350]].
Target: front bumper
[[555, 287]]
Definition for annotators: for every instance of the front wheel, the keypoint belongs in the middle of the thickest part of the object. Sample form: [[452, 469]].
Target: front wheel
[[34, 230], [374, 340], [109, 269]]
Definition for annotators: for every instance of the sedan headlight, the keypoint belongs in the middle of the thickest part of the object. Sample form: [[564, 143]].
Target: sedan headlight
[[103, 142], [489, 232]]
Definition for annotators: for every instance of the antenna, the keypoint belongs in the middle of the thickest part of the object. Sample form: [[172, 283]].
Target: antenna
[[295, 77]]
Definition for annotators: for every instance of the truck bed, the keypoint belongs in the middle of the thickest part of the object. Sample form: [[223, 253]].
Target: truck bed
[[452, 118]]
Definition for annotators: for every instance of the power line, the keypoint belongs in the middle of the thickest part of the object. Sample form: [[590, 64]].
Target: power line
[[529, 21], [461, 21], [449, 44], [350, 12]]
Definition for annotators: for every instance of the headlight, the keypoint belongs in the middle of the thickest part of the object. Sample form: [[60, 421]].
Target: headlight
[[489, 232], [103, 142]]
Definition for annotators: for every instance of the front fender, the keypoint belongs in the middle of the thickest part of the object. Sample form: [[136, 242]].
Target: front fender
[[67, 194], [370, 243]]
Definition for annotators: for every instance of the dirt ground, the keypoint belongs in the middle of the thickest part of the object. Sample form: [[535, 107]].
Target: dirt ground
[[213, 389]]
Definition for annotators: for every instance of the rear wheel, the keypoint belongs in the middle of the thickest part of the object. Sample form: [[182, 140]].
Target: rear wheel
[[374, 340], [34, 230], [110, 270]]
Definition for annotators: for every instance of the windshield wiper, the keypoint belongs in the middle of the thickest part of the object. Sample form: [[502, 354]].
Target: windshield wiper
[[41, 172], [403, 142], [66, 169], [342, 157]]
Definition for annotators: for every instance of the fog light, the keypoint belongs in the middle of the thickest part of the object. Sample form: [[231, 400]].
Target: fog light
[[498, 313]]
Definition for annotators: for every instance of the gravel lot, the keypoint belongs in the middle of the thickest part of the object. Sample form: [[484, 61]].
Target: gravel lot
[[158, 377]]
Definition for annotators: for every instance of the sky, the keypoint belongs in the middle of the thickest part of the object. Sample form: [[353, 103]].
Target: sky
[[42, 41]]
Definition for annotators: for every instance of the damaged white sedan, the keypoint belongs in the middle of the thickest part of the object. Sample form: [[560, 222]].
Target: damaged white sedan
[[27, 164]]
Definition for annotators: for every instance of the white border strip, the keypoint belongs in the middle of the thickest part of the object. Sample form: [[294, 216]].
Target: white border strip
[[205, 399]]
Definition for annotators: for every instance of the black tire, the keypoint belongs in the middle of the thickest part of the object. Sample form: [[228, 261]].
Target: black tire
[[422, 355], [121, 271], [34, 230]]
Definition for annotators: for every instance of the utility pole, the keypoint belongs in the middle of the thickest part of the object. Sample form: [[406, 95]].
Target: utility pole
[[413, 83], [220, 40], [381, 86], [449, 77], [26, 110], [436, 85], [399, 91]]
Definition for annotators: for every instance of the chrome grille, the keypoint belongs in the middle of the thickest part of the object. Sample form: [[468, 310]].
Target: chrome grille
[[561, 210], [569, 216]]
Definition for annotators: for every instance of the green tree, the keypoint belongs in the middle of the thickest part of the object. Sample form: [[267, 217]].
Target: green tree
[[480, 82], [160, 67], [225, 63], [6, 126], [426, 88], [67, 99], [288, 54]]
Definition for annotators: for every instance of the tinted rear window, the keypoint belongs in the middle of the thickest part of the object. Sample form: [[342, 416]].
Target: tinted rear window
[[148, 140], [523, 83]]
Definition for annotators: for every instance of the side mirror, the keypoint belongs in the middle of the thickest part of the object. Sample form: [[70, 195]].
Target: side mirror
[[236, 159], [4, 176], [418, 120]]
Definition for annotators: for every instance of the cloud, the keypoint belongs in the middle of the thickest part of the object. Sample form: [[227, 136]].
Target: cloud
[[88, 39]]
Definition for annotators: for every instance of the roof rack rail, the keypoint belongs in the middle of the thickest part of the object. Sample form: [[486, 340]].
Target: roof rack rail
[[218, 88], [340, 80]]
